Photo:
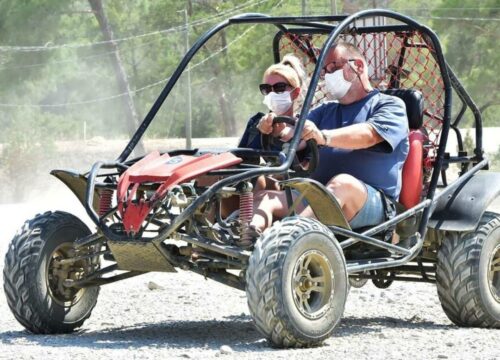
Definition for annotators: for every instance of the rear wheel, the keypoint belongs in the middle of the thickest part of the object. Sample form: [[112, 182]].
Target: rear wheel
[[297, 283], [382, 282], [468, 274], [35, 272]]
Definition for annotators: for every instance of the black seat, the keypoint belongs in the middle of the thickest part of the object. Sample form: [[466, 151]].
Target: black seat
[[414, 102]]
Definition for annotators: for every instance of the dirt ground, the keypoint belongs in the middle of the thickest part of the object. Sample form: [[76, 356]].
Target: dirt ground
[[189, 317]]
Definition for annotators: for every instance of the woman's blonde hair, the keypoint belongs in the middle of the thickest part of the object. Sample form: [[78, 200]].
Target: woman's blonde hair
[[290, 68]]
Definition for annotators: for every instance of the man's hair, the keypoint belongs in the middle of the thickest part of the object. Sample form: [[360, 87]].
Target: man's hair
[[351, 50]]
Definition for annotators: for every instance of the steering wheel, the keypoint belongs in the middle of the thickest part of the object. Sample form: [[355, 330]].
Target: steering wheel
[[268, 141]]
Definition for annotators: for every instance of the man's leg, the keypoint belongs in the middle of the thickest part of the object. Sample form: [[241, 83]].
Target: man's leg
[[350, 193]]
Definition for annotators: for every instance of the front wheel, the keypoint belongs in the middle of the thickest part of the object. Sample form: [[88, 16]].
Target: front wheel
[[37, 263], [297, 283], [468, 275]]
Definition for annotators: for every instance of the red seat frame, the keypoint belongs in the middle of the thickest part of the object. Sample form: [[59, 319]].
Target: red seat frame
[[413, 170]]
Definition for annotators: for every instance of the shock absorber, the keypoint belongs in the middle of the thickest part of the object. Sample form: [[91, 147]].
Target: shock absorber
[[246, 211], [105, 197]]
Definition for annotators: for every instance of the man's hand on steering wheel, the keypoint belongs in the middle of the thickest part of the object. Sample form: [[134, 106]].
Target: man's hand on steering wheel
[[311, 131]]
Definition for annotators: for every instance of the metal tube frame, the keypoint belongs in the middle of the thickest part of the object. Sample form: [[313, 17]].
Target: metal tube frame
[[311, 25]]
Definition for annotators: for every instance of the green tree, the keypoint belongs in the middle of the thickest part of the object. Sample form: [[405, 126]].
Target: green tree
[[470, 32]]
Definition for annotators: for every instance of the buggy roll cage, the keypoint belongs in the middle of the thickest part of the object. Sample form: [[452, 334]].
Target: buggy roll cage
[[313, 24]]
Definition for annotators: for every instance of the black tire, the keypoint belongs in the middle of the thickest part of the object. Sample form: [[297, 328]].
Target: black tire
[[382, 283], [293, 311], [30, 284], [357, 282], [468, 286]]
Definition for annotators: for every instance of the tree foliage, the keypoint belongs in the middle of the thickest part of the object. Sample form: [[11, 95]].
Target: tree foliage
[[224, 75]]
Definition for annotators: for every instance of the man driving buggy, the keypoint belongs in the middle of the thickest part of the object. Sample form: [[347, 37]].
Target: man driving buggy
[[363, 139]]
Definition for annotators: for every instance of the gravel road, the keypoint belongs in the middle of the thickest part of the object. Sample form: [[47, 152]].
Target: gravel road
[[185, 316]]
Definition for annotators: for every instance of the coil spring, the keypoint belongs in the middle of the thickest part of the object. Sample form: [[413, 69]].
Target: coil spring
[[105, 197], [246, 214]]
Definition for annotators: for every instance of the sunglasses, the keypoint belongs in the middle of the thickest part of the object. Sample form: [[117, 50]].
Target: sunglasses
[[278, 88], [335, 65]]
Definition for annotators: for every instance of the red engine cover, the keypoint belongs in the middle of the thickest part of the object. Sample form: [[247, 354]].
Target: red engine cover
[[166, 170]]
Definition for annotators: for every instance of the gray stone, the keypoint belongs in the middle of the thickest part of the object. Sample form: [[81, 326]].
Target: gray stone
[[225, 349]]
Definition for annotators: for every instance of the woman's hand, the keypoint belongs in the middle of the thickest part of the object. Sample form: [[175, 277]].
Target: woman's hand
[[265, 125]]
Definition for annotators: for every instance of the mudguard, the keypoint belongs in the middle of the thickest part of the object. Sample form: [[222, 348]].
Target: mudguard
[[77, 183], [323, 203], [462, 209]]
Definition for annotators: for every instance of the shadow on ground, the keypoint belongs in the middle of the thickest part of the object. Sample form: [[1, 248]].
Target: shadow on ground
[[237, 332], [210, 334], [357, 326]]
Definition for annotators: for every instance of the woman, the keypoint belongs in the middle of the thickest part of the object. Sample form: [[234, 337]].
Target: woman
[[282, 88]]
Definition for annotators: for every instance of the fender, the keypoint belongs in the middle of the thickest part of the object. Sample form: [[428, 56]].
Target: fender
[[77, 183], [323, 203], [462, 209]]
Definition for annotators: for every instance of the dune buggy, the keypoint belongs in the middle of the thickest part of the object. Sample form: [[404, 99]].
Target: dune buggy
[[152, 214]]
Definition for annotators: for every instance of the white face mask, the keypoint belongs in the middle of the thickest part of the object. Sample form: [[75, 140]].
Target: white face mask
[[337, 85], [278, 103]]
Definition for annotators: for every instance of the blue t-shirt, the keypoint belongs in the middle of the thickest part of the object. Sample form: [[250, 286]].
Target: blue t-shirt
[[379, 166]]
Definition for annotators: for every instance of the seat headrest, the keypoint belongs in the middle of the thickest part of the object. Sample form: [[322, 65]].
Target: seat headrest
[[414, 102]]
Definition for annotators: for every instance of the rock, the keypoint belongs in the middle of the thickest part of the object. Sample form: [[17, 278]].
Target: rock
[[390, 301], [225, 349], [415, 319], [442, 357], [154, 286]]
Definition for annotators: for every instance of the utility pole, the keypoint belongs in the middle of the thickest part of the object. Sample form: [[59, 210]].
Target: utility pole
[[334, 7], [304, 8], [189, 119]]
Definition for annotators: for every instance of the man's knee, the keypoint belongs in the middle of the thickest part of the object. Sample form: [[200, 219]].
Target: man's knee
[[346, 183], [350, 193]]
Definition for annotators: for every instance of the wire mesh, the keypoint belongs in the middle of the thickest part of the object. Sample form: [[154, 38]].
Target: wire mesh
[[402, 59]]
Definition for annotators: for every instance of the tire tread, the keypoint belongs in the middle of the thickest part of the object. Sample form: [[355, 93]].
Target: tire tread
[[263, 280], [21, 264], [457, 276]]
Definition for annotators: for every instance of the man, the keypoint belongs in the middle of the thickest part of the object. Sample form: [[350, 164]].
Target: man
[[363, 139]]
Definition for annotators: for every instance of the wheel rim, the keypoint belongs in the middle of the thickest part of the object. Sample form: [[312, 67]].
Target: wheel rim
[[494, 273], [313, 284], [57, 272]]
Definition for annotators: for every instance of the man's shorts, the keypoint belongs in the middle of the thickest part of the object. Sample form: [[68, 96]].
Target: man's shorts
[[372, 212]]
